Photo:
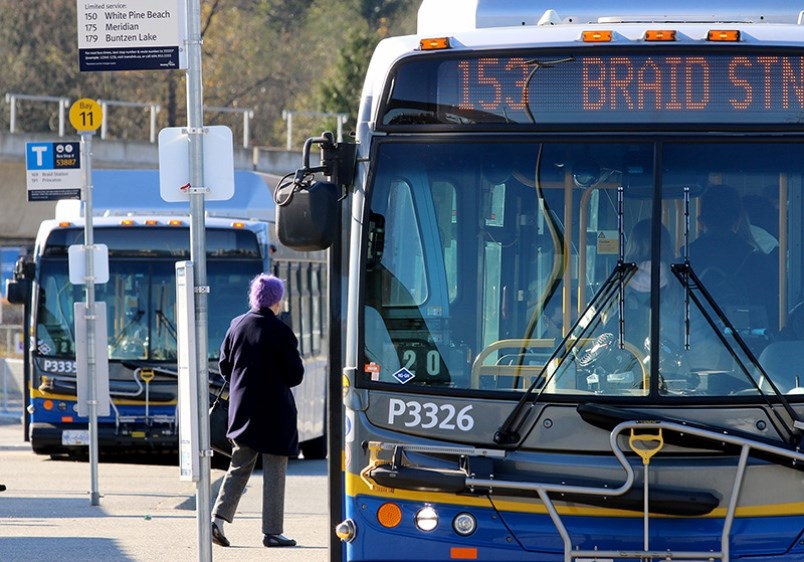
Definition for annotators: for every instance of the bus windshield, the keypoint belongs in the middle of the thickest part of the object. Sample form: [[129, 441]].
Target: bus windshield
[[502, 265], [140, 302]]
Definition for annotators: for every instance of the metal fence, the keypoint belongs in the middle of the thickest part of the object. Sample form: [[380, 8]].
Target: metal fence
[[11, 382], [61, 105]]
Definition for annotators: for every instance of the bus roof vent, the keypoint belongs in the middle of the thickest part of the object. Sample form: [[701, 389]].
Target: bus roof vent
[[442, 17], [68, 210]]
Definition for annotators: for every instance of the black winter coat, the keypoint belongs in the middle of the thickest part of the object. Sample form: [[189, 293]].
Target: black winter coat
[[260, 359]]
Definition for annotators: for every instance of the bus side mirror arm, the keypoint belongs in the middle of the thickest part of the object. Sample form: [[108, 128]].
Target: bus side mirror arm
[[337, 159]]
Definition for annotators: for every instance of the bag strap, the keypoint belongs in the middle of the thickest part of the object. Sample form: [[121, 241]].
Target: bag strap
[[220, 393]]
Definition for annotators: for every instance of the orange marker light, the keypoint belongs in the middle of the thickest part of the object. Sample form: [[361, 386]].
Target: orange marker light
[[47, 405], [462, 553], [238, 225], [602, 36], [660, 35], [175, 222], [389, 515], [127, 222], [152, 222], [434, 43], [723, 35]]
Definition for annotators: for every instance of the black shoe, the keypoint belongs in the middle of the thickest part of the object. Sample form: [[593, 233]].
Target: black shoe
[[218, 537], [277, 540]]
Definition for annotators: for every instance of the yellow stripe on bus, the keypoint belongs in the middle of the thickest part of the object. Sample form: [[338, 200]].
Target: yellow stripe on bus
[[356, 486], [36, 393]]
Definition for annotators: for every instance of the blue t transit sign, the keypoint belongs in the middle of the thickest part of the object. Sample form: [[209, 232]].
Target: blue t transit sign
[[53, 170]]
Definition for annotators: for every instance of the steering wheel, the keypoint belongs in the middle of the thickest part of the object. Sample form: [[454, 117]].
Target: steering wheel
[[603, 357], [602, 344]]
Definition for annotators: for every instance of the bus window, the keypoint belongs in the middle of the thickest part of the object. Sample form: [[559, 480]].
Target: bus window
[[403, 255], [445, 203]]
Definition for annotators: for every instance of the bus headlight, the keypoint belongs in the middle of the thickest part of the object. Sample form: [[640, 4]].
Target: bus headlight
[[346, 530], [464, 524], [426, 519]]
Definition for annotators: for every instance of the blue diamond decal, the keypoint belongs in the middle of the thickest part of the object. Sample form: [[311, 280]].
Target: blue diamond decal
[[403, 375]]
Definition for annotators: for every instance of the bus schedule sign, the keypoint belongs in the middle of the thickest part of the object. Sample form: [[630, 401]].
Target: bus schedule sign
[[53, 170], [132, 35]]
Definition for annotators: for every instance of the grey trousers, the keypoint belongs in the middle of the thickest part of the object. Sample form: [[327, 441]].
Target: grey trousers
[[274, 469]]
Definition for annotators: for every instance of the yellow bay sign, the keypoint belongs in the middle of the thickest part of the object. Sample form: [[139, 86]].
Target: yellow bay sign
[[86, 115]]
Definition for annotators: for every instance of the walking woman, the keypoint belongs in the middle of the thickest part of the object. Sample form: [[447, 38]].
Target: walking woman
[[260, 359]]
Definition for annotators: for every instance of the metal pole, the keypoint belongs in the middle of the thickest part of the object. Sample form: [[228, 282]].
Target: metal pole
[[63, 104], [104, 118], [86, 160], [195, 124], [289, 117], [13, 117], [154, 110]]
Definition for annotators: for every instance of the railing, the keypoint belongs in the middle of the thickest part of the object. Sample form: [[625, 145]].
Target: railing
[[10, 388], [154, 109], [287, 115], [63, 104], [248, 115]]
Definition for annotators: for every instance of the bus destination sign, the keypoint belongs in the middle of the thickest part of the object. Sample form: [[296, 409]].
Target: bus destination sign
[[601, 88]]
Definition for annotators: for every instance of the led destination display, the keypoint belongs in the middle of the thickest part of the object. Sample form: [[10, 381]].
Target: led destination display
[[604, 88]]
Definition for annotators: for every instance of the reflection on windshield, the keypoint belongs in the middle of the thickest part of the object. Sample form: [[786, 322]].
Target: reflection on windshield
[[141, 307], [485, 256]]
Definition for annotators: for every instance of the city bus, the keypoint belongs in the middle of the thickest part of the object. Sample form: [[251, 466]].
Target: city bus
[[574, 319], [145, 237]]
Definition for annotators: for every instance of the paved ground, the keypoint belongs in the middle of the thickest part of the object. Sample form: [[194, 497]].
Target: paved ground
[[145, 514]]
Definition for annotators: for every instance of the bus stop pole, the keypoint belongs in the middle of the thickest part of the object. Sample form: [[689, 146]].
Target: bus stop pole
[[89, 241], [195, 125]]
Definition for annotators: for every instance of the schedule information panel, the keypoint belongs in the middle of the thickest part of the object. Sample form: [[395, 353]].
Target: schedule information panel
[[131, 35]]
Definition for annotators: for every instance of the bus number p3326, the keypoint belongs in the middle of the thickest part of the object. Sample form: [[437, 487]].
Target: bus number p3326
[[429, 415]]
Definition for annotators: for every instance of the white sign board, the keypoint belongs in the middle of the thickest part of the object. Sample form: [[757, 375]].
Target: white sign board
[[53, 170], [77, 263], [174, 164], [132, 35], [82, 360], [189, 445]]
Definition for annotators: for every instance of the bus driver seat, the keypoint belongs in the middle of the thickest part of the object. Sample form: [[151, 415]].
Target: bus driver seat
[[782, 361]]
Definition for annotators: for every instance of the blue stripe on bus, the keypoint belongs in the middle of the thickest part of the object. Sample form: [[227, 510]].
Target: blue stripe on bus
[[760, 539]]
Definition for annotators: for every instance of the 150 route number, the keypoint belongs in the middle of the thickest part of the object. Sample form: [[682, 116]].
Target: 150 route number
[[430, 415]]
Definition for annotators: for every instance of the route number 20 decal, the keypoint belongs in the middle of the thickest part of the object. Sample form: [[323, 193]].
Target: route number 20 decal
[[430, 415]]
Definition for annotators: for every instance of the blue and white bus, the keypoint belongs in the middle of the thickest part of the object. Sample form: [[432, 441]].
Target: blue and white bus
[[145, 237], [576, 269]]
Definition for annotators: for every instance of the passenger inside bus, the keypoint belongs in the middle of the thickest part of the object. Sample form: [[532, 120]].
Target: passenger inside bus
[[637, 295], [731, 264]]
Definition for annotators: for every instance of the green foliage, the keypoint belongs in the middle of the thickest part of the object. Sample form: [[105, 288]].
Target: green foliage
[[265, 55], [340, 93]]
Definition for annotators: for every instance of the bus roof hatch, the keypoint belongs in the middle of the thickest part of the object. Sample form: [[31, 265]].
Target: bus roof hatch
[[437, 17]]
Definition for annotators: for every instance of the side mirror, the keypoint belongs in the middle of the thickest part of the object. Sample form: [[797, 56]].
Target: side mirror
[[306, 215], [307, 211], [18, 286], [16, 291]]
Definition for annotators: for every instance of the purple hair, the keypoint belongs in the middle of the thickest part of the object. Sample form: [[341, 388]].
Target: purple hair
[[265, 291]]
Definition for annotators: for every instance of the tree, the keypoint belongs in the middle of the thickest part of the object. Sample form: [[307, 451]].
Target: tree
[[265, 55], [341, 94]]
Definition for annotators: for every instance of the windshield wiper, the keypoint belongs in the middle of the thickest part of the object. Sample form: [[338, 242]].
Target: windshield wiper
[[510, 431], [692, 287], [722, 326]]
